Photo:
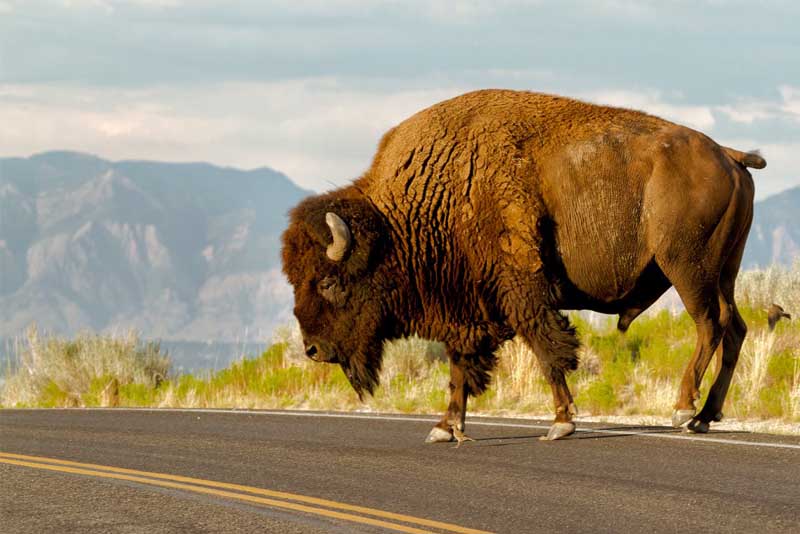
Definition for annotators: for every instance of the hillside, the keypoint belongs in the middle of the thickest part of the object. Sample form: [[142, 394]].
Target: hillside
[[177, 251]]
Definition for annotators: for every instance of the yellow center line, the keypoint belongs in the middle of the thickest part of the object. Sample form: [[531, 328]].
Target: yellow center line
[[199, 486], [220, 493]]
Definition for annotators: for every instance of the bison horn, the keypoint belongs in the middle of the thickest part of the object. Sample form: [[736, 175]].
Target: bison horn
[[341, 237]]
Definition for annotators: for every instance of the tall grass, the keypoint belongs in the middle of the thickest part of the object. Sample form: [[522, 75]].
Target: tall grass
[[89, 370], [775, 284], [636, 373]]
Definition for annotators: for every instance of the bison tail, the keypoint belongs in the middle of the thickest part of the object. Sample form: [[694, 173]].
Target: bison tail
[[747, 159]]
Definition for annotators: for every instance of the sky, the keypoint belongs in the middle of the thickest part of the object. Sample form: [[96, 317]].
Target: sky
[[308, 87]]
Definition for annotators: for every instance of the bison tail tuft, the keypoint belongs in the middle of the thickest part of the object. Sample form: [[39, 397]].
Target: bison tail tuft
[[751, 159]]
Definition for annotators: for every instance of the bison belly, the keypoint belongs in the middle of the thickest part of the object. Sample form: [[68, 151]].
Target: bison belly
[[594, 195]]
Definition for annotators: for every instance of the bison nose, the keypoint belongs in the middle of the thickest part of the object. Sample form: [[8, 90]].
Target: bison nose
[[311, 350]]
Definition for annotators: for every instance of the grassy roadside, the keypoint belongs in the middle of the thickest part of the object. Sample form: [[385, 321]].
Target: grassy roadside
[[632, 374], [635, 374]]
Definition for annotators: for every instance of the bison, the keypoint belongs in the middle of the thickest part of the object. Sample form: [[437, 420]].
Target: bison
[[483, 216]]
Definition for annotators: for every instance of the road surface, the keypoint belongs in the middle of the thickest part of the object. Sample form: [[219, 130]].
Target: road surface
[[300, 472]]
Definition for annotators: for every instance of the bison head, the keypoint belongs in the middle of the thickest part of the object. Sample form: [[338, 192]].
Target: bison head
[[332, 253]]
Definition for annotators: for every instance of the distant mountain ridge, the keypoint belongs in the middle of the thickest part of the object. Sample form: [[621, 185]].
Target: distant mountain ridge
[[775, 234], [182, 251]]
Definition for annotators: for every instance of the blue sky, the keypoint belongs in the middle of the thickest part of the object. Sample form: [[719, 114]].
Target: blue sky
[[309, 87]]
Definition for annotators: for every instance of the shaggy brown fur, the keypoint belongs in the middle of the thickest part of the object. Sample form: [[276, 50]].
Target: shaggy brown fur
[[482, 216]]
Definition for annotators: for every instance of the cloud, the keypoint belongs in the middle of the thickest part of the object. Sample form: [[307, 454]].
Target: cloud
[[791, 101], [783, 167], [108, 6], [618, 43], [748, 111], [651, 101], [318, 131], [458, 12]]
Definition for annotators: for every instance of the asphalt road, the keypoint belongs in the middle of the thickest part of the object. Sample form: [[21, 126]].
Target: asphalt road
[[205, 471]]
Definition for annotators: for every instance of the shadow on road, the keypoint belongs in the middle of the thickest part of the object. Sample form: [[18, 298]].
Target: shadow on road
[[627, 430], [603, 433]]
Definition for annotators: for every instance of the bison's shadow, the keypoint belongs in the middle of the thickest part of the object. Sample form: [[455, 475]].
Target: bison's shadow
[[600, 433]]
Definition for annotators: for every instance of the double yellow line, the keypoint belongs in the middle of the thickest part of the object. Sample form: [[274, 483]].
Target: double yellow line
[[277, 499]]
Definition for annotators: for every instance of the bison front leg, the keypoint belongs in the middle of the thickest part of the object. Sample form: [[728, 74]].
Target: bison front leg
[[553, 341], [564, 405], [451, 426]]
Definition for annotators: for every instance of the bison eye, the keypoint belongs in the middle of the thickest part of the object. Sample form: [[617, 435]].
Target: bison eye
[[327, 283], [331, 290]]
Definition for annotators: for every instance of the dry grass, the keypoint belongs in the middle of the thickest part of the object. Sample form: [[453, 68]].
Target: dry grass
[[776, 284], [89, 370], [754, 364], [794, 395], [518, 385]]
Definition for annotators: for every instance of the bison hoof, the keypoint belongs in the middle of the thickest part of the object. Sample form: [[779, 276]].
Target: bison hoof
[[558, 431], [697, 426], [439, 435], [681, 416]]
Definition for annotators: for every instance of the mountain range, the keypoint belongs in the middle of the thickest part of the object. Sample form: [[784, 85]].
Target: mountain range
[[175, 251], [182, 251], [775, 234]]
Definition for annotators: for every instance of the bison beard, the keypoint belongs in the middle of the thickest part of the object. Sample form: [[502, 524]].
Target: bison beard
[[362, 365], [483, 216]]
